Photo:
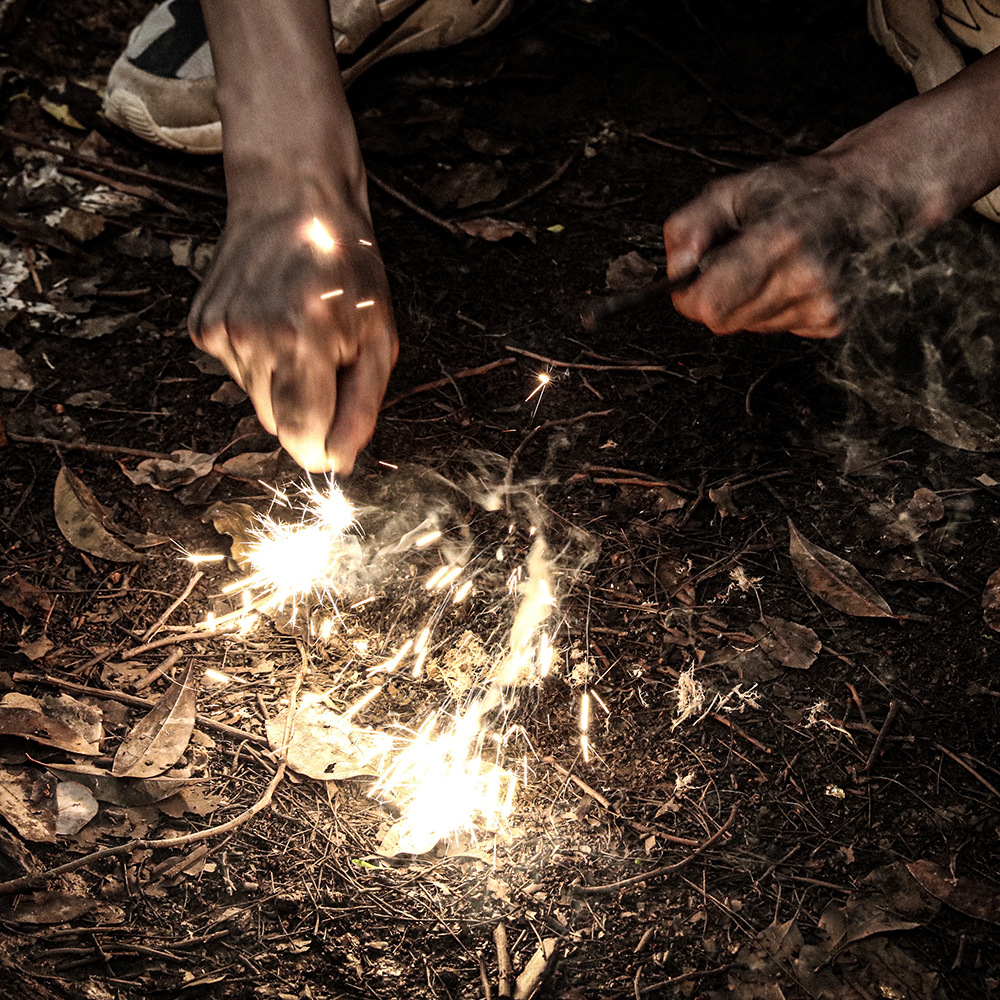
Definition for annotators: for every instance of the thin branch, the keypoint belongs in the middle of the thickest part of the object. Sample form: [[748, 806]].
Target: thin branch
[[505, 971], [968, 767], [136, 190], [728, 164], [548, 425], [161, 621], [593, 890], [414, 207], [685, 978], [538, 188], [602, 801], [104, 449], [439, 383], [172, 640], [580, 365], [890, 718], [93, 161]]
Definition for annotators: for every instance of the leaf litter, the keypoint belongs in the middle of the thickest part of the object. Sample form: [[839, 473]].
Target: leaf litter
[[834, 579]]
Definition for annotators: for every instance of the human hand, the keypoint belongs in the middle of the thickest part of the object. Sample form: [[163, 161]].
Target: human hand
[[303, 325], [778, 239]]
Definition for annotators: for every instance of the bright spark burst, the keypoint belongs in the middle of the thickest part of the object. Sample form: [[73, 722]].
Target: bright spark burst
[[295, 562], [447, 777], [319, 236], [544, 378]]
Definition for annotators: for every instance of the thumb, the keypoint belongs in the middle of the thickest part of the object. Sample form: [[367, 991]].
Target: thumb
[[700, 224]]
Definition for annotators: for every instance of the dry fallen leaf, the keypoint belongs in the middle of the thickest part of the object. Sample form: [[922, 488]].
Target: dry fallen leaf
[[630, 270], [492, 230], [24, 597], [50, 723], [181, 468], [991, 601], [834, 579], [255, 465], [27, 803], [13, 374], [236, 520], [160, 738], [467, 184], [37, 649], [723, 500], [974, 899], [952, 423], [83, 520], [901, 567], [46, 908], [322, 744], [788, 643], [905, 522], [75, 807], [81, 226], [127, 792]]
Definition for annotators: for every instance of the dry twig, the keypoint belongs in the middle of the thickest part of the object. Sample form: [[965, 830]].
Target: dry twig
[[445, 224], [72, 154], [606, 805], [548, 425], [173, 640], [136, 190], [968, 767], [161, 621], [439, 383], [593, 890], [538, 188], [104, 449], [625, 366], [504, 969], [882, 734]]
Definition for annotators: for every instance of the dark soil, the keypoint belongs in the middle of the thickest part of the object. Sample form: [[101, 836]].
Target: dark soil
[[882, 754]]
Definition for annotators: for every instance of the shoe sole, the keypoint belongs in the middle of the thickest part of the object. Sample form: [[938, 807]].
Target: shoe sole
[[413, 34]]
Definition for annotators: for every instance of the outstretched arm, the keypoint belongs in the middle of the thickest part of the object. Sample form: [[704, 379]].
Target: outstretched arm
[[303, 323], [781, 232]]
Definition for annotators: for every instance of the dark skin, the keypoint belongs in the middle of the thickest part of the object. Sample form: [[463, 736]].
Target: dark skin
[[316, 366], [907, 171]]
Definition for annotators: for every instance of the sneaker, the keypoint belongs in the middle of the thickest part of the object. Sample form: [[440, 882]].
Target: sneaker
[[923, 38], [162, 87]]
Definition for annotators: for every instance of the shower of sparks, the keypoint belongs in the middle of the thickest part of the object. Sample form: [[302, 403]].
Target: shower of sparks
[[365, 304], [446, 777], [333, 294], [293, 562]]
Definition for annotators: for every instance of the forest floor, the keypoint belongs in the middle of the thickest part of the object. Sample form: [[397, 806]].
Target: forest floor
[[769, 557]]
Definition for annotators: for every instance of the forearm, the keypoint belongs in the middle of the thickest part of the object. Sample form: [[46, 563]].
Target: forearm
[[285, 119], [936, 153]]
